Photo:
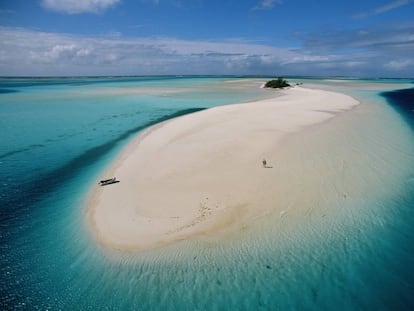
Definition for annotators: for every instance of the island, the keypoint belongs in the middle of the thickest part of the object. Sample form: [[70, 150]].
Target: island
[[277, 83]]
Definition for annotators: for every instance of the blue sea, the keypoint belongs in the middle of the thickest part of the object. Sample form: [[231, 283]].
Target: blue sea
[[59, 134]]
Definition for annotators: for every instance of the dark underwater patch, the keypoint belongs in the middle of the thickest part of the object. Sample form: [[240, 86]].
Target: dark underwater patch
[[19, 199], [403, 102], [6, 91]]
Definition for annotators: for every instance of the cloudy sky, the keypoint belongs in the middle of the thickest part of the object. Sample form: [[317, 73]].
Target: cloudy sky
[[368, 38]]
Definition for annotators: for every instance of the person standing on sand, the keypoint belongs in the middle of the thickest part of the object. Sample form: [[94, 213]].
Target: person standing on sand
[[264, 162]]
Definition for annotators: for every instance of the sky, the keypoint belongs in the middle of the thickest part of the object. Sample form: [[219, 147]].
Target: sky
[[362, 38]]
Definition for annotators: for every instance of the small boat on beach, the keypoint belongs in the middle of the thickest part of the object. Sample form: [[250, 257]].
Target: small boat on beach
[[108, 181]]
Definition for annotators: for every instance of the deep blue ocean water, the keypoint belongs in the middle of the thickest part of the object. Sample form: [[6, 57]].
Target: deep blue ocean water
[[57, 135], [402, 101]]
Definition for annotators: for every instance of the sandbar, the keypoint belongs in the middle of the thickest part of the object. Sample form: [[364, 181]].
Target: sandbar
[[201, 175]]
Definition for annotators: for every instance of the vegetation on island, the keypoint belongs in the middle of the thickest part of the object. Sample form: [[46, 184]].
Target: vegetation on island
[[278, 83]]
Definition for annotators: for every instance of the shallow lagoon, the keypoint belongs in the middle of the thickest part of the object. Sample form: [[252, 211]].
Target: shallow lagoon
[[58, 136]]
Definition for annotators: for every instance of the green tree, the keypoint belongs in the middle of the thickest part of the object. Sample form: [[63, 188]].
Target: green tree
[[278, 83]]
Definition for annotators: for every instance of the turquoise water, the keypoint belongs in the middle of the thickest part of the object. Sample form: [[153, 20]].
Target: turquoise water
[[57, 135]]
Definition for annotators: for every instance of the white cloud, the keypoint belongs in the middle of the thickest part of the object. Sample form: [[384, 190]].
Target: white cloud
[[384, 8], [267, 4], [67, 53], [400, 64], [25, 52], [79, 6], [390, 6]]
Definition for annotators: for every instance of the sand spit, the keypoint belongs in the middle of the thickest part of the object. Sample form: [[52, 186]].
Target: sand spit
[[201, 175]]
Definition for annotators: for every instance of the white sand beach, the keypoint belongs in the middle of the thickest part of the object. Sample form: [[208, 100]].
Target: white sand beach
[[201, 175]]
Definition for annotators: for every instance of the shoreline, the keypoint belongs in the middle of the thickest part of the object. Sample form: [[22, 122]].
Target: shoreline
[[200, 175]]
